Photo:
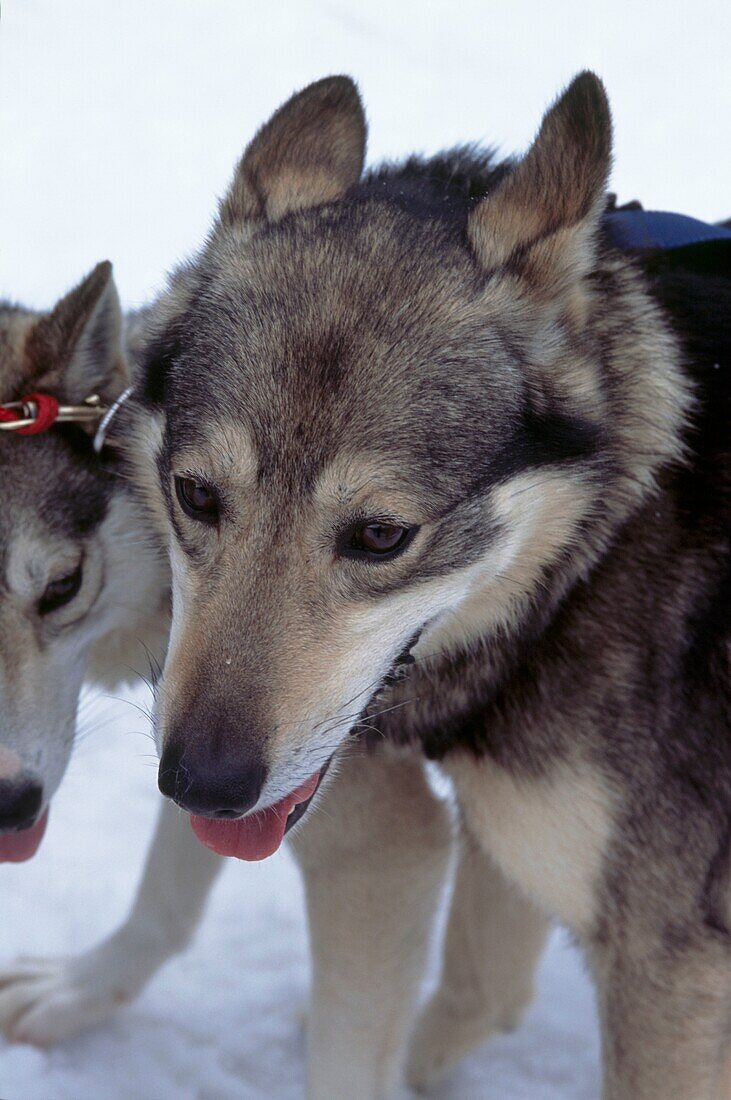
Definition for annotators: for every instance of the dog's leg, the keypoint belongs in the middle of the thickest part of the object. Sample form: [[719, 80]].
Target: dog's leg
[[44, 1001], [494, 938], [665, 1011], [374, 855]]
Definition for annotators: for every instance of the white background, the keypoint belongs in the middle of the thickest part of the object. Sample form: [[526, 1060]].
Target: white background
[[120, 123]]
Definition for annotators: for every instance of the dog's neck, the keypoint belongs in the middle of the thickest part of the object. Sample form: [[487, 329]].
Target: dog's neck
[[136, 646], [464, 663]]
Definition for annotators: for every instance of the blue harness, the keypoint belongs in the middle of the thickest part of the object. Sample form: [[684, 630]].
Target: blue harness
[[634, 230]]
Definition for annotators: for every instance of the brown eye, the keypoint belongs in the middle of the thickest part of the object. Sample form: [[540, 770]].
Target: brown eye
[[378, 539], [60, 592], [197, 499]]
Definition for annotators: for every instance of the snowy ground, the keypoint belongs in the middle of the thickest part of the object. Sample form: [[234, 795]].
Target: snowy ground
[[224, 1021], [119, 123]]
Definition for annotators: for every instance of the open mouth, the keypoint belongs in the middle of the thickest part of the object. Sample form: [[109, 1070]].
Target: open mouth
[[257, 836], [19, 846]]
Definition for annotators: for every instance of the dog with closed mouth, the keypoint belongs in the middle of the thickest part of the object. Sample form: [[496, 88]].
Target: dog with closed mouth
[[66, 544], [84, 594], [436, 457]]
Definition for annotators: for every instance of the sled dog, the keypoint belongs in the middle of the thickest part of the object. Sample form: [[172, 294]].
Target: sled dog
[[69, 543], [84, 593], [443, 468]]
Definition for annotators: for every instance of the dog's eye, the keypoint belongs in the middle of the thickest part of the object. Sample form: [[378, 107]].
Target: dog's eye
[[60, 592], [198, 500], [377, 539]]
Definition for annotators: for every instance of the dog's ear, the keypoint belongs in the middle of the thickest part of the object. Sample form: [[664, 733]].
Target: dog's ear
[[541, 220], [310, 152], [76, 349]]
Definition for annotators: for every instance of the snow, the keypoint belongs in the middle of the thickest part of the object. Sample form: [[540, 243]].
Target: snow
[[223, 1021], [119, 124]]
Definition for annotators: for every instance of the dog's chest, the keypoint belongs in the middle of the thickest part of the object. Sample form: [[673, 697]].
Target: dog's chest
[[549, 834]]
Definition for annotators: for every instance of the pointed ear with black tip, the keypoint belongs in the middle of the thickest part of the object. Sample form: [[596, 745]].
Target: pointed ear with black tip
[[310, 152], [540, 222], [76, 349]]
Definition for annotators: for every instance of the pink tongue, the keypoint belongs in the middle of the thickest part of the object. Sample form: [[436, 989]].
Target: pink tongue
[[17, 847], [256, 836]]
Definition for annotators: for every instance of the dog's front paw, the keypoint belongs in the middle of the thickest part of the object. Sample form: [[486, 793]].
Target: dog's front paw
[[446, 1033], [45, 1001]]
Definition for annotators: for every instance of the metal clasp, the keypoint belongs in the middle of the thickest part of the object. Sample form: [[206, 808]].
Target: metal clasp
[[90, 412]]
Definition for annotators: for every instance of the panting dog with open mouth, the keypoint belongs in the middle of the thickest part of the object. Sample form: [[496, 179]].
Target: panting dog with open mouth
[[439, 456], [434, 412], [85, 593]]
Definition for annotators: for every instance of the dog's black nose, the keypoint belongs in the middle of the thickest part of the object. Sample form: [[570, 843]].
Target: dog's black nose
[[207, 790], [20, 801]]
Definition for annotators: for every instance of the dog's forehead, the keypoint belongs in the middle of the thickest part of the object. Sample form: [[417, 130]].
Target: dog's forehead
[[358, 264], [51, 485], [53, 478], [355, 328], [359, 280]]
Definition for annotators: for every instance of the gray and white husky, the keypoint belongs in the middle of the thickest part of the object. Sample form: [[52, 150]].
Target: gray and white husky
[[84, 589], [69, 542], [435, 457]]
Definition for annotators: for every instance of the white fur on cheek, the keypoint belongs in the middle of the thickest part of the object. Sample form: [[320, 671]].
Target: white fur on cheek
[[39, 703], [374, 638], [467, 604], [539, 512], [131, 618], [178, 588]]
